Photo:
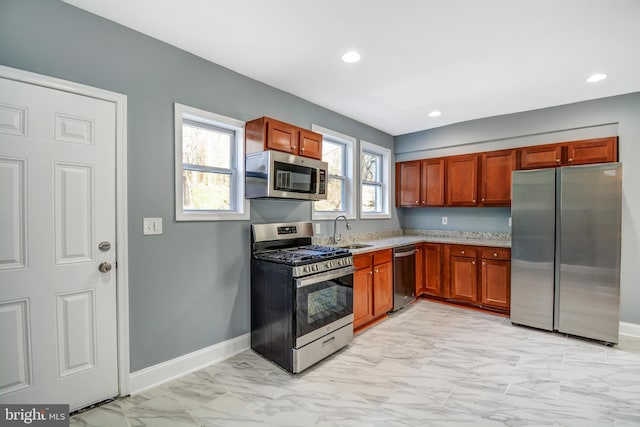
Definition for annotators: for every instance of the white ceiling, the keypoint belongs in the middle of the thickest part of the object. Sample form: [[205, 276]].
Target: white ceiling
[[467, 58]]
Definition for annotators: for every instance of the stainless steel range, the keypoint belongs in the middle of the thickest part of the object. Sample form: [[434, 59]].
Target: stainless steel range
[[301, 296]]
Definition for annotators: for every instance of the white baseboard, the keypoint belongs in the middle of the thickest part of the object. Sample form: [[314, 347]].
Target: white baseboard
[[174, 368], [630, 329]]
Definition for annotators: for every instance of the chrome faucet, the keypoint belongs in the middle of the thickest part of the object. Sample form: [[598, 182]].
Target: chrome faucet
[[336, 240]]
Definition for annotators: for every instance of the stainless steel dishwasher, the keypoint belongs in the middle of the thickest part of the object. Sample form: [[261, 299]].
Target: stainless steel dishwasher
[[404, 276]]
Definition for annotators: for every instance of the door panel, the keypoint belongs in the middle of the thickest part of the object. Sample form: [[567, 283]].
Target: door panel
[[533, 248], [57, 175], [590, 229], [15, 351], [13, 245]]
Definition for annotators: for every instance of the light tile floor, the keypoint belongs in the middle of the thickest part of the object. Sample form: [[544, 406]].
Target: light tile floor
[[428, 365]]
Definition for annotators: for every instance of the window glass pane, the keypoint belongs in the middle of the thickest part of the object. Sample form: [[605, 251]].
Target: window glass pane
[[205, 190], [207, 147], [371, 197], [335, 196], [370, 164], [333, 154]]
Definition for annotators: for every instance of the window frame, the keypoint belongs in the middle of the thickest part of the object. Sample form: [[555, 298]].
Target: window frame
[[385, 180], [239, 205], [349, 170]]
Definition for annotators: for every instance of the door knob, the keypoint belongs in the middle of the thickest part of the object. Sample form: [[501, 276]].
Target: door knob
[[104, 267]]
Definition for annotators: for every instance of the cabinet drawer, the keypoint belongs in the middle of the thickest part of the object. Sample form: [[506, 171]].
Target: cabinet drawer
[[503, 254], [362, 261], [464, 251], [382, 256]]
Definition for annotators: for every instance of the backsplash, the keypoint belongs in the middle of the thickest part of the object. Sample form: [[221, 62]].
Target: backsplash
[[480, 235], [348, 238], [358, 237]]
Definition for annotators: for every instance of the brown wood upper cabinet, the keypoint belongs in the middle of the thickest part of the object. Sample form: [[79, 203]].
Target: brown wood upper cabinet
[[496, 168], [420, 183], [601, 150], [462, 180], [266, 133], [587, 151]]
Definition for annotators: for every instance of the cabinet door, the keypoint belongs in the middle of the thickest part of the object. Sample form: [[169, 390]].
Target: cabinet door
[[382, 288], [362, 297], [282, 136], [409, 190], [432, 255], [495, 181], [420, 282], [462, 180], [432, 182], [540, 156], [601, 150], [310, 144], [464, 278], [495, 283]]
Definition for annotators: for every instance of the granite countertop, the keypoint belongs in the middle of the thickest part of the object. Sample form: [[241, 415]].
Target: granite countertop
[[391, 240]]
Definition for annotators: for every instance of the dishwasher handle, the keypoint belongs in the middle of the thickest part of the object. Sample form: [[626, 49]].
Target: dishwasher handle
[[404, 254]]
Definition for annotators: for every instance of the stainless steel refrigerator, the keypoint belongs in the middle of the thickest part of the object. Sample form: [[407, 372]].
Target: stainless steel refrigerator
[[565, 250]]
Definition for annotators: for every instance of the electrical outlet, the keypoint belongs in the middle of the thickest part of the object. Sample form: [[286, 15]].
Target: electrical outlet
[[509, 221], [151, 226], [317, 231], [445, 220]]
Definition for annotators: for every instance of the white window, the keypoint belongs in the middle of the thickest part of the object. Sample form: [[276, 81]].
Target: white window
[[209, 151], [375, 180], [338, 151]]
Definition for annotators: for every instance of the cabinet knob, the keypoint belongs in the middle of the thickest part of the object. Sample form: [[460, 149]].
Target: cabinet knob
[[424, 202], [484, 263], [462, 252], [377, 271], [495, 254], [570, 159], [417, 202], [473, 262], [483, 199], [371, 273], [557, 160], [474, 200], [302, 149]]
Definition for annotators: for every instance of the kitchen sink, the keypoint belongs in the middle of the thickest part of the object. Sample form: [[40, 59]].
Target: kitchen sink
[[355, 246]]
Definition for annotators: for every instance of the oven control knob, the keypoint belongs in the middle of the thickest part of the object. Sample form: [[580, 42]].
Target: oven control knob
[[306, 269], [328, 264], [316, 267]]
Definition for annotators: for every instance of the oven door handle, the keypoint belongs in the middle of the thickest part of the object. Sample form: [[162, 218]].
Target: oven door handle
[[329, 275]]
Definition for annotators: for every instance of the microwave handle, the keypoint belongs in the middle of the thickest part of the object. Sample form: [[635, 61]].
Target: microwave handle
[[329, 275]]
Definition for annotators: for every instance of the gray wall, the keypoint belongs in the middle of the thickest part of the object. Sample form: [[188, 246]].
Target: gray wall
[[189, 288], [618, 115]]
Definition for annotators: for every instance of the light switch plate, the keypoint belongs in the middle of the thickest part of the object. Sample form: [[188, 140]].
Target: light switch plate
[[317, 230], [509, 221], [151, 226], [445, 220]]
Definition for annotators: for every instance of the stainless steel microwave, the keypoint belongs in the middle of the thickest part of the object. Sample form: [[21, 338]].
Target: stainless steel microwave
[[279, 175]]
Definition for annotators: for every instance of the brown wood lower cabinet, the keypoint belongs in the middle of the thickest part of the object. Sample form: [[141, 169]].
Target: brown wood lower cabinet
[[496, 277], [429, 269], [463, 273], [472, 275], [372, 286], [362, 297]]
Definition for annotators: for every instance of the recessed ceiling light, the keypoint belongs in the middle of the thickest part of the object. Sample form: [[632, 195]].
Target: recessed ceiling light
[[351, 57], [435, 113], [596, 78]]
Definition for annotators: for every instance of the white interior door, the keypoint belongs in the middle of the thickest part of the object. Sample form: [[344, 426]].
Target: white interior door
[[57, 205]]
